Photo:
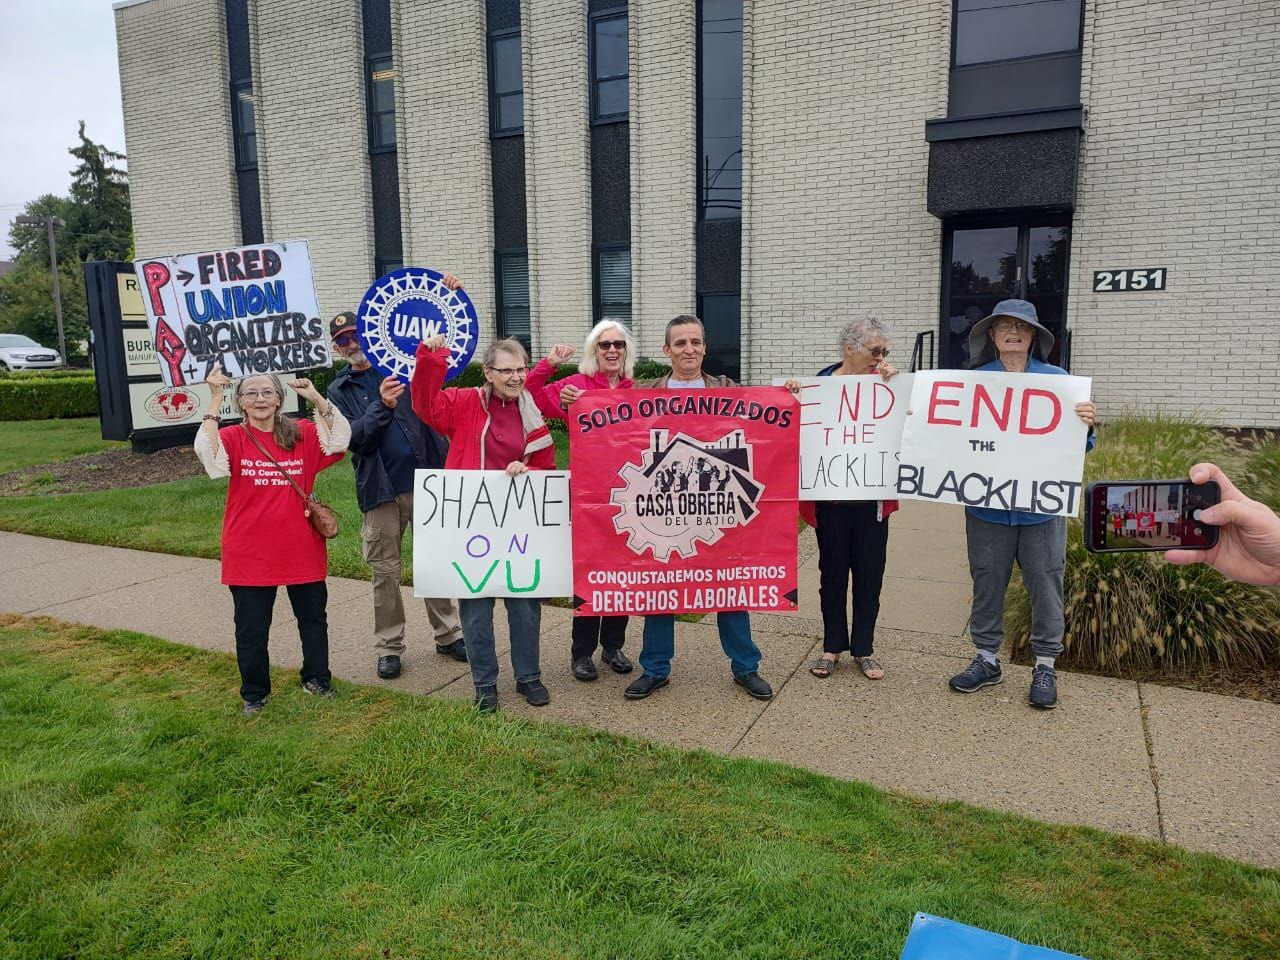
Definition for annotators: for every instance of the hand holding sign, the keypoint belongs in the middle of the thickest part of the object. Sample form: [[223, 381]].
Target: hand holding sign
[[390, 390], [434, 342], [569, 394], [1086, 411]]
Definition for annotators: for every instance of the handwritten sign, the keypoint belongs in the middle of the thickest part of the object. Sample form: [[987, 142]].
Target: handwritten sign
[[480, 533], [252, 309], [851, 436], [1008, 441]]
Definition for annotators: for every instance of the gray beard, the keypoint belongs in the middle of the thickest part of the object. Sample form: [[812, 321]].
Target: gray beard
[[356, 359]]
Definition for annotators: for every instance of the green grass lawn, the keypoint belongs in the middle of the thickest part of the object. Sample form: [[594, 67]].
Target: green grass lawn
[[25, 443], [183, 517], [140, 816]]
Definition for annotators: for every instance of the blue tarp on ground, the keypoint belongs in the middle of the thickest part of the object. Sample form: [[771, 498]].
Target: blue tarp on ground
[[933, 938]]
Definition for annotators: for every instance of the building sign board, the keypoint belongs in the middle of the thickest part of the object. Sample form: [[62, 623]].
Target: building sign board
[[1129, 281]]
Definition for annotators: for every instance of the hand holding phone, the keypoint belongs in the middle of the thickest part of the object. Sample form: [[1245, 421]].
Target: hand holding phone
[[1132, 516], [1248, 547]]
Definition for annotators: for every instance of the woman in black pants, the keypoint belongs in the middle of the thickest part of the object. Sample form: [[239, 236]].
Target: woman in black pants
[[853, 535]]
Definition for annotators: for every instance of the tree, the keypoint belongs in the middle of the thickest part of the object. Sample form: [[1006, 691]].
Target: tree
[[100, 224], [26, 304]]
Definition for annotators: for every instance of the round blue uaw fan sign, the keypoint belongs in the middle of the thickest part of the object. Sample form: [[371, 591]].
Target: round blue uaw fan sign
[[406, 307]]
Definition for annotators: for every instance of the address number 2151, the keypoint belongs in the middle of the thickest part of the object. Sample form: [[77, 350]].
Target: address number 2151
[[1122, 281]]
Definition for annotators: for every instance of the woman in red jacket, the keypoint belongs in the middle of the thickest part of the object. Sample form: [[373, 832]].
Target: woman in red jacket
[[608, 363], [494, 427], [267, 541]]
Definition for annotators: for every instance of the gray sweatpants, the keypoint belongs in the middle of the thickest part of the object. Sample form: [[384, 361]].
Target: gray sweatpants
[[1041, 550]]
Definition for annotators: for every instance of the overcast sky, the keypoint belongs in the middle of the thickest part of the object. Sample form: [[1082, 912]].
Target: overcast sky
[[57, 67]]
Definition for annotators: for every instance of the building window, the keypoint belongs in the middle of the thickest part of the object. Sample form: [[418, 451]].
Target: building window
[[990, 30], [609, 67], [721, 315], [381, 83], [243, 126], [384, 265], [720, 109], [506, 84], [613, 284], [513, 296]]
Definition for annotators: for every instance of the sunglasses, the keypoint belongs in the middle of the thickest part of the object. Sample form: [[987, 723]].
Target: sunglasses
[[612, 344], [346, 340]]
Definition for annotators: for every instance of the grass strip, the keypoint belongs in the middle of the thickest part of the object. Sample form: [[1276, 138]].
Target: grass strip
[[140, 816]]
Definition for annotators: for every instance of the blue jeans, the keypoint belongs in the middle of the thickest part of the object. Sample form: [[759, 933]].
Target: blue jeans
[[659, 644], [524, 618]]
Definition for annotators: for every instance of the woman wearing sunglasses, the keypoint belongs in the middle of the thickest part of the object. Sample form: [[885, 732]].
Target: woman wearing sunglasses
[[853, 535], [608, 363], [494, 427]]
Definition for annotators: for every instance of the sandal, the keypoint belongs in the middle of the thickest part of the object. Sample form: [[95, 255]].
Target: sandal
[[870, 667], [823, 667]]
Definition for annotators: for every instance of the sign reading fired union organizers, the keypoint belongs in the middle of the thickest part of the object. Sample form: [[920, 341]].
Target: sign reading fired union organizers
[[1007, 441], [252, 309], [689, 502]]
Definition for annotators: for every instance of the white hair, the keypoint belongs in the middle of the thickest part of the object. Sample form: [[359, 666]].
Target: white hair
[[591, 363], [857, 332]]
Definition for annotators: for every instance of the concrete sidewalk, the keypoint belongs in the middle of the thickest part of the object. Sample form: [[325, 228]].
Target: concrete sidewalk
[[1198, 770]]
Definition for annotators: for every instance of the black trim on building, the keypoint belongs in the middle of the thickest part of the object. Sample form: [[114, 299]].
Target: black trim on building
[[243, 121], [1016, 172], [384, 171], [610, 167], [609, 69], [507, 176]]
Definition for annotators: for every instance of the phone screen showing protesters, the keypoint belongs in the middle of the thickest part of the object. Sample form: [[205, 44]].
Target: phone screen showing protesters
[[1135, 515]]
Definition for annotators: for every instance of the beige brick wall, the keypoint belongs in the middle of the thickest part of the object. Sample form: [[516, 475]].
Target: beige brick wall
[[177, 120], [442, 116], [1181, 169], [663, 38], [836, 164], [557, 169], [313, 147]]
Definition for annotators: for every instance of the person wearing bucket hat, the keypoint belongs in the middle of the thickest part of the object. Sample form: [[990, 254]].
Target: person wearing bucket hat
[[1012, 340], [388, 442]]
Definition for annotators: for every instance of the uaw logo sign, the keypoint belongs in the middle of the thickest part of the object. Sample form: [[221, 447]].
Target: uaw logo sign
[[685, 491], [406, 307]]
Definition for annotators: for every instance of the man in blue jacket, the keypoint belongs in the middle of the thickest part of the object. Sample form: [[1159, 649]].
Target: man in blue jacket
[[388, 442]]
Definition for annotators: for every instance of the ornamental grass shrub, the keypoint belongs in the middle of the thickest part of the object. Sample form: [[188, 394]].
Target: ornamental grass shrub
[[1133, 611]]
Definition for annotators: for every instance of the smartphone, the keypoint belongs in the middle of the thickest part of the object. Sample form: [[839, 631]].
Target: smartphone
[[1126, 516]]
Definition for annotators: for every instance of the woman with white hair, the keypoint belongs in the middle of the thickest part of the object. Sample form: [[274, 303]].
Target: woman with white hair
[[853, 535], [608, 363], [267, 540]]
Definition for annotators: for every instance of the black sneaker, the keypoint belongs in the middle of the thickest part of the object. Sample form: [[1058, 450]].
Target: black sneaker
[[534, 692], [1044, 688], [457, 650], [389, 666], [644, 685], [487, 700], [252, 708], [616, 660], [976, 675], [754, 684], [584, 669], [319, 689]]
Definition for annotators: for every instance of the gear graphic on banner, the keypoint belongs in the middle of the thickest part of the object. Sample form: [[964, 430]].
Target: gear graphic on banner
[[685, 492], [406, 307]]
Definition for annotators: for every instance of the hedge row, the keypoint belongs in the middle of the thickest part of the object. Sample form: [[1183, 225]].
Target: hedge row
[[45, 398], [60, 374]]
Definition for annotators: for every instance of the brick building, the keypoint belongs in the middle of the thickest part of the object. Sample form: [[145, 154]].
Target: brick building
[[774, 167]]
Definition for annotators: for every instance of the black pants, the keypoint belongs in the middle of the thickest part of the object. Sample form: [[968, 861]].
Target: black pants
[[608, 632], [253, 606], [851, 541]]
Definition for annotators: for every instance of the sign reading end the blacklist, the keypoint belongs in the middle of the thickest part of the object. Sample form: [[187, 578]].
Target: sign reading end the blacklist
[[1006, 441]]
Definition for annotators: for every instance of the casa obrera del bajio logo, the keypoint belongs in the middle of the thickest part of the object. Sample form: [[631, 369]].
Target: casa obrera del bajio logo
[[685, 492]]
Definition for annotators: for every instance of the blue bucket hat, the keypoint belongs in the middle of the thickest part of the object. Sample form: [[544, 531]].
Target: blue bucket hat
[[982, 350]]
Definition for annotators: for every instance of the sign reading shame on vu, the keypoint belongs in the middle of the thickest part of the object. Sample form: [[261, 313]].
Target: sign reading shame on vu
[[480, 533], [998, 440], [252, 309]]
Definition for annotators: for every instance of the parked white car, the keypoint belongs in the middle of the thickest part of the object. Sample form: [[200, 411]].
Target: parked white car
[[22, 353]]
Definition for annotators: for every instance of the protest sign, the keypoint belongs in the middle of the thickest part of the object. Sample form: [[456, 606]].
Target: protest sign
[[689, 503], [406, 307], [252, 309], [480, 533], [851, 436], [1008, 441]]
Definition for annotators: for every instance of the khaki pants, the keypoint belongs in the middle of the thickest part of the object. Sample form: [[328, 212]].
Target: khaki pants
[[382, 536]]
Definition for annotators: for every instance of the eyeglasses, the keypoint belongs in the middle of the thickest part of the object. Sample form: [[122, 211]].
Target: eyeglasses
[[612, 344], [345, 339], [509, 371], [879, 353], [259, 394], [1007, 325]]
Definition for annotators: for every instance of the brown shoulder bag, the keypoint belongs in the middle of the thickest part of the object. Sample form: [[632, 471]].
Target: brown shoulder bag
[[322, 517]]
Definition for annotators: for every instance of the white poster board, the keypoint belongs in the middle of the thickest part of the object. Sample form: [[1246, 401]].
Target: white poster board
[[1007, 441], [253, 309], [480, 533], [851, 435]]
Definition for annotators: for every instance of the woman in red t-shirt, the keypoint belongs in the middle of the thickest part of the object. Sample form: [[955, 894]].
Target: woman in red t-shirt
[[267, 541]]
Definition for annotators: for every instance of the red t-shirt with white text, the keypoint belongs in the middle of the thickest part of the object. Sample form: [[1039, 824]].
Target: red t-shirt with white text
[[266, 537]]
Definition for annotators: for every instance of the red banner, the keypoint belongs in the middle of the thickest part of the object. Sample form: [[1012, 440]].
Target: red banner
[[684, 501]]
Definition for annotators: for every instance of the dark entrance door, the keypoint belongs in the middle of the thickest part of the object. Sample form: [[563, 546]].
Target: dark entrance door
[[987, 264]]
